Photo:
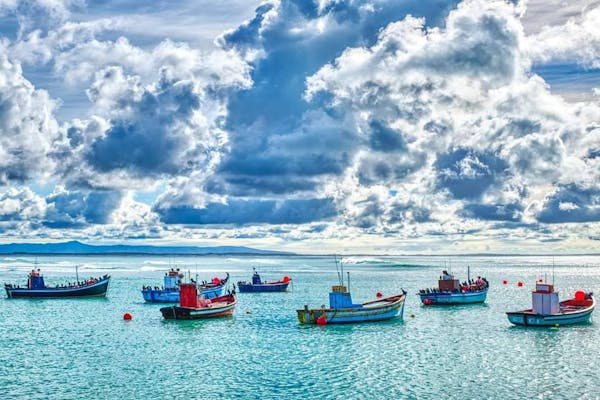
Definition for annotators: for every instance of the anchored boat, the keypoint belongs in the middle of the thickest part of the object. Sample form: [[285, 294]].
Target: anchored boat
[[193, 306], [343, 311], [259, 286], [169, 293], [547, 310], [37, 288], [451, 291]]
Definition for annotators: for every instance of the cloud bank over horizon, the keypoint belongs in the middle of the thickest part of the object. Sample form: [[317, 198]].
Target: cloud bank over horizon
[[309, 126]]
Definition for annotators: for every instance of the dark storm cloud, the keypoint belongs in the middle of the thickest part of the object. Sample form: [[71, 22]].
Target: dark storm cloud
[[152, 141], [467, 173], [76, 209], [493, 212], [571, 203], [240, 212]]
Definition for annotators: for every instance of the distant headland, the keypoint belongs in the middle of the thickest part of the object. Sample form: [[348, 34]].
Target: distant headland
[[78, 248]]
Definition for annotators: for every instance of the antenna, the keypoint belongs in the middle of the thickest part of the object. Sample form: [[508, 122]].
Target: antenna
[[348, 281], [552, 270]]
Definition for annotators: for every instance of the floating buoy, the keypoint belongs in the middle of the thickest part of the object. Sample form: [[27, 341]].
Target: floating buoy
[[412, 315], [322, 320], [286, 279], [127, 316], [248, 312], [580, 295], [519, 284], [379, 294], [504, 282], [427, 302]]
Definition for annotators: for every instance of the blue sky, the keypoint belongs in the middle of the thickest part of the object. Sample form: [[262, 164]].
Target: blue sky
[[371, 126]]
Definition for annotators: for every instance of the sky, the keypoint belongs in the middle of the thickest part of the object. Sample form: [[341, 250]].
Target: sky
[[326, 126]]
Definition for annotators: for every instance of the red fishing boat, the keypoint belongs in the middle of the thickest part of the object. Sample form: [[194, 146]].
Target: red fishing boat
[[192, 306]]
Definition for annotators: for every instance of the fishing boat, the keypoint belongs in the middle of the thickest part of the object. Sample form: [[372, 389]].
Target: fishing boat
[[194, 306], [37, 288], [343, 311], [451, 291], [259, 286], [169, 293], [547, 310]]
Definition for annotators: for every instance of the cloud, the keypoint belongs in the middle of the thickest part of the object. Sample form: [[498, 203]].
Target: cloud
[[21, 205], [79, 208], [569, 204], [27, 126], [577, 40], [240, 212]]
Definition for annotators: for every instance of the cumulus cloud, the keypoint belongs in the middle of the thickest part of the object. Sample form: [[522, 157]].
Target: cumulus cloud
[[575, 41], [79, 208], [28, 128]]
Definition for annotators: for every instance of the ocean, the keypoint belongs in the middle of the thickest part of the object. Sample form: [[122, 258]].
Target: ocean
[[82, 348]]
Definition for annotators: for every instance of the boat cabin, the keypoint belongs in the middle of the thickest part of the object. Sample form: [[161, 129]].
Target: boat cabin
[[447, 282], [545, 300], [256, 278], [36, 280], [339, 297]]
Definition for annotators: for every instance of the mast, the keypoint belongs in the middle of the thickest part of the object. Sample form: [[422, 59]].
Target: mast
[[468, 273], [348, 281], [77, 272]]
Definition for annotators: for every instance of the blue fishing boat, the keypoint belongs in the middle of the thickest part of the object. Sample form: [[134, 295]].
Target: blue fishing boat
[[547, 310], [259, 286], [37, 288], [343, 311], [169, 293], [451, 291]]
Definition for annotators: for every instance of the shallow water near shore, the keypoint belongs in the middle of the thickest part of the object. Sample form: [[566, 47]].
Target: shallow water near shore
[[82, 348]]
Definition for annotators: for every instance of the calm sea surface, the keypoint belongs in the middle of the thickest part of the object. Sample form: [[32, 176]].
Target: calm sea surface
[[82, 348]]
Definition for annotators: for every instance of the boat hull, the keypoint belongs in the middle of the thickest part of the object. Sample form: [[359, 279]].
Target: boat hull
[[378, 310], [263, 287], [449, 298], [97, 289], [528, 318], [188, 313], [172, 296]]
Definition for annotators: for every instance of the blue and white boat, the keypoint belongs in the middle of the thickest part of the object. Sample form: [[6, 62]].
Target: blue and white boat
[[37, 288], [343, 311], [451, 291], [169, 293], [547, 310]]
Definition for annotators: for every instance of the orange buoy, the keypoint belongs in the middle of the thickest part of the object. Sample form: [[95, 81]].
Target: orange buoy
[[580, 295], [519, 284], [322, 320], [504, 282], [127, 316], [379, 294], [286, 279]]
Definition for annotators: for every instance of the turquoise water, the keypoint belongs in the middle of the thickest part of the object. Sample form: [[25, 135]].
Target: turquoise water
[[82, 348]]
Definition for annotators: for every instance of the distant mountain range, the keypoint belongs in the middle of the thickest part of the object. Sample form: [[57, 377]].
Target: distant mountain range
[[75, 247]]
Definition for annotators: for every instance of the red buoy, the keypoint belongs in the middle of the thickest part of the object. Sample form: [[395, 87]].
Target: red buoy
[[216, 280], [504, 282], [322, 320], [427, 302], [286, 279], [580, 295], [519, 284], [127, 316], [379, 294]]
